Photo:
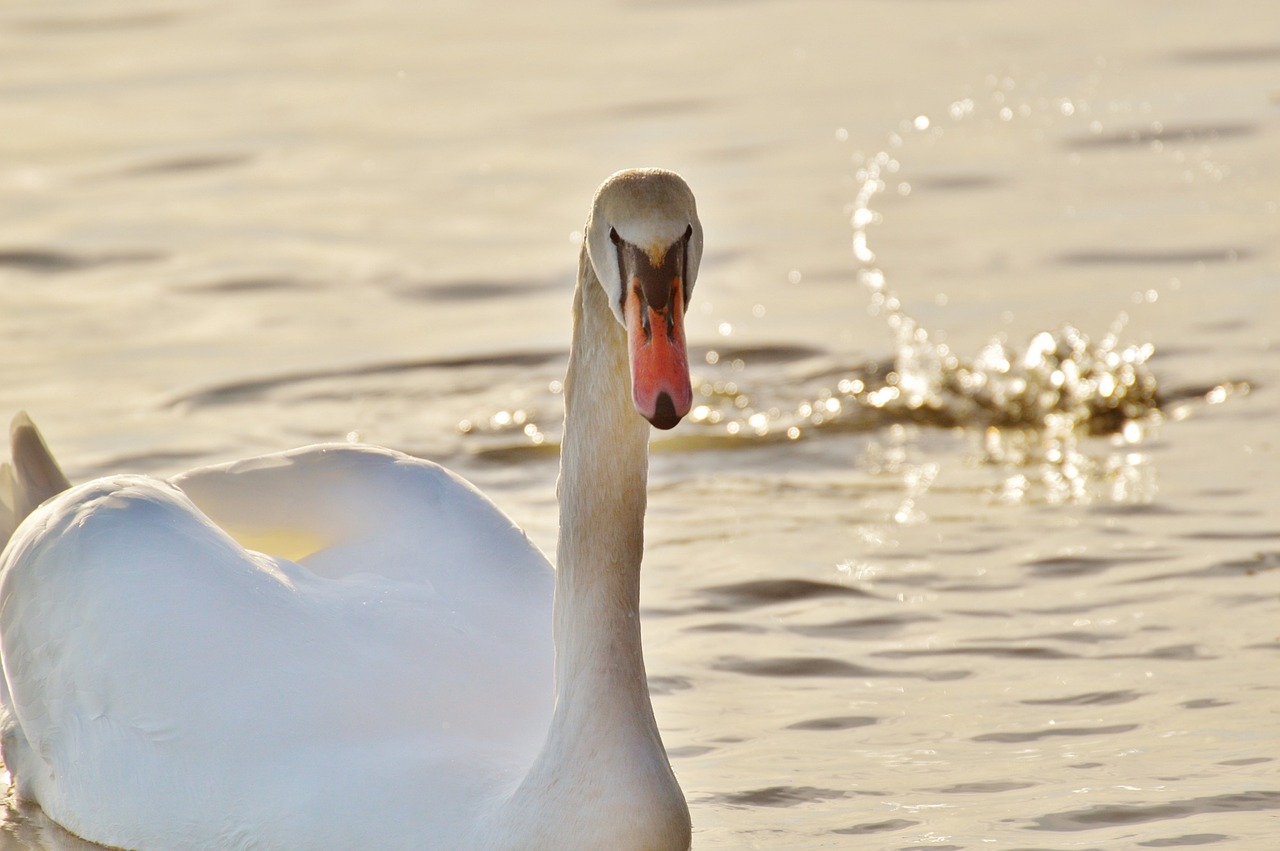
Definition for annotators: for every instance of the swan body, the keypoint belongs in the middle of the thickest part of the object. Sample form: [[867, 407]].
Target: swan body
[[345, 647]]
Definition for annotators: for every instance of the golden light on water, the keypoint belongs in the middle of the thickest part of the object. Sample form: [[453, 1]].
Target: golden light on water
[[1032, 405]]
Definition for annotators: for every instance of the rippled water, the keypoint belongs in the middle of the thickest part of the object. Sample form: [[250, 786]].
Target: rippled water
[[971, 539]]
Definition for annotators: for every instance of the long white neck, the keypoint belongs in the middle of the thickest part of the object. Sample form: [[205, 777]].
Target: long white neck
[[602, 779]]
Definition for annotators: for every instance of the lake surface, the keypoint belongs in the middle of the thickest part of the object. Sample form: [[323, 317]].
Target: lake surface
[[972, 541]]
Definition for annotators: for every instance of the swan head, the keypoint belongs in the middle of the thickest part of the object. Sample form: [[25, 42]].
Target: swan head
[[644, 241]]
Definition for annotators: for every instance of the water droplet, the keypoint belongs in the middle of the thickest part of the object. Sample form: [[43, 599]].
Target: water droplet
[[961, 109]]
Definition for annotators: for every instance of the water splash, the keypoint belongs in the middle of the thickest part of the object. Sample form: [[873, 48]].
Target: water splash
[[1031, 405], [1061, 382]]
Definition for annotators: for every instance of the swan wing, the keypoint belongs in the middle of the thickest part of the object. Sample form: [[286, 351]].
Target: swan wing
[[161, 676], [313, 505]]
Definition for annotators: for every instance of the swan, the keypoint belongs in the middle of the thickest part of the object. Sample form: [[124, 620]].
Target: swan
[[341, 646]]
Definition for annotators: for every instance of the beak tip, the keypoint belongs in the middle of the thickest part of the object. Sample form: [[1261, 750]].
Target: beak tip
[[664, 413]]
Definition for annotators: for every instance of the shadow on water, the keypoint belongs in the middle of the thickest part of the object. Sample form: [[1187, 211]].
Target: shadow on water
[[1071, 567], [250, 285], [876, 827], [1260, 562], [1170, 134], [1092, 818], [50, 261], [476, 290], [740, 596], [1054, 732], [1238, 54], [181, 164], [863, 629], [985, 788], [1093, 698], [825, 667], [75, 24], [842, 722], [782, 796], [1172, 256]]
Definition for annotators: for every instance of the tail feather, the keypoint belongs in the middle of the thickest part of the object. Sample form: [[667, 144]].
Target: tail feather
[[33, 476], [7, 486]]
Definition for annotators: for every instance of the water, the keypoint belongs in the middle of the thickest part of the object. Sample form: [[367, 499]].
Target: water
[[971, 540]]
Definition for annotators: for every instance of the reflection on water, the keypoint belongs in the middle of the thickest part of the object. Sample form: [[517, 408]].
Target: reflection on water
[[994, 566]]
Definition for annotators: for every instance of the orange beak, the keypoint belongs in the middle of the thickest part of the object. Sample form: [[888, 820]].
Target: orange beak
[[659, 359]]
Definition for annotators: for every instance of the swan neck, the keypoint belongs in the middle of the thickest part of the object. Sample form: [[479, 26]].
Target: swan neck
[[603, 745], [602, 494]]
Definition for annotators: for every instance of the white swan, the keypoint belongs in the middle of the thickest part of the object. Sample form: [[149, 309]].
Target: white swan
[[344, 647]]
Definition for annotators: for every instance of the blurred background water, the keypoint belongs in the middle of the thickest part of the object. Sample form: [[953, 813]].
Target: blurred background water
[[971, 540]]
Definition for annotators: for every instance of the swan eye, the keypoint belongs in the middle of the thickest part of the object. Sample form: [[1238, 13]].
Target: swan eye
[[613, 236], [688, 284]]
